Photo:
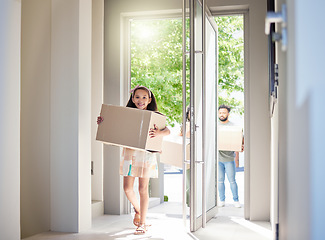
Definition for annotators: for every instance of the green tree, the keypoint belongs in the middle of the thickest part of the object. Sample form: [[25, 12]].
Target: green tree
[[156, 62], [231, 61]]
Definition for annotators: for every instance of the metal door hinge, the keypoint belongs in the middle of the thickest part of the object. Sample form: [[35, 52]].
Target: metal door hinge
[[276, 237], [277, 17]]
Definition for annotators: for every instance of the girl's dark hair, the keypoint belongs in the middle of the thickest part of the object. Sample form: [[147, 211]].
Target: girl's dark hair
[[187, 113], [152, 106]]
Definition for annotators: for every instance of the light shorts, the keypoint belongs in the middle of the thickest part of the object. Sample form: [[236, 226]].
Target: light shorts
[[137, 163]]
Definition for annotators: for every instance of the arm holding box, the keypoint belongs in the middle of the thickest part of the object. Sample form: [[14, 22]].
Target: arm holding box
[[154, 132], [243, 144], [237, 154], [237, 159], [187, 127], [99, 119]]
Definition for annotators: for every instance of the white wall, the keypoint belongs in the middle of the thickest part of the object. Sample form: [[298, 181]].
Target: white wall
[[306, 114], [10, 25], [302, 193], [56, 116], [64, 116], [70, 115], [84, 114], [97, 96], [35, 116]]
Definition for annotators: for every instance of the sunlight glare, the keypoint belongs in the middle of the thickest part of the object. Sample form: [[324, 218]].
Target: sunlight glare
[[145, 33], [254, 227]]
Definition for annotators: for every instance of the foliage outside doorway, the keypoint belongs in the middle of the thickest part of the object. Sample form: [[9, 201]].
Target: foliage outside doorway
[[156, 62]]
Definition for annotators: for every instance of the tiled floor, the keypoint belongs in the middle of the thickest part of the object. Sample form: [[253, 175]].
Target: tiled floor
[[167, 222], [229, 224]]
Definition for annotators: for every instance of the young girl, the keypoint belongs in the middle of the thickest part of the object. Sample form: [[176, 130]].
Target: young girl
[[140, 164]]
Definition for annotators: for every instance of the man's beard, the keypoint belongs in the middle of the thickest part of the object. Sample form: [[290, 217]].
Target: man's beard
[[223, 120]]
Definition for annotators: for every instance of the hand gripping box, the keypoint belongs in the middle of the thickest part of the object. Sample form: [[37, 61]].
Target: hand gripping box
[[172, 151], [230, 138], [129, 127]]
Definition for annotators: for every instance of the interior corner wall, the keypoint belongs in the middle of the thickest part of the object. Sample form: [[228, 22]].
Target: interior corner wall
[[35, 116], [55, 116], [10, 33]]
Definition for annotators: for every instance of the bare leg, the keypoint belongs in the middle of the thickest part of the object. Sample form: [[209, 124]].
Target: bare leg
[[144, 198], [128, 183]]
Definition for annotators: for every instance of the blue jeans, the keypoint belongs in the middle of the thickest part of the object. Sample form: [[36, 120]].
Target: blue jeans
[[228, 168]]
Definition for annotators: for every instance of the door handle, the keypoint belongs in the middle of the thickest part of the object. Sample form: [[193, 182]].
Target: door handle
[[277, 17]]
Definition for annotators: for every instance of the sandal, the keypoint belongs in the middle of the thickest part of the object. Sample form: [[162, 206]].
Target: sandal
[[141, 230], [136, 220]]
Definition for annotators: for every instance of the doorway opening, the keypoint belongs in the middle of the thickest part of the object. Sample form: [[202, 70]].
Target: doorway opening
[[231, 93], [156, 62]]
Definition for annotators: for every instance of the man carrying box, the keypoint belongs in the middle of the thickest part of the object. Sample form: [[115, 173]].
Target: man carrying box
[[228, 160]]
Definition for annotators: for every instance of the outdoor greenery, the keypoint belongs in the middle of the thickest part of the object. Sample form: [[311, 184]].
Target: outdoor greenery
[[156, 62], [231, 62]]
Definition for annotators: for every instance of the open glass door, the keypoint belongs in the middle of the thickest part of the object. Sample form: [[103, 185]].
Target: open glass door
[[203, 112], [211, 117]]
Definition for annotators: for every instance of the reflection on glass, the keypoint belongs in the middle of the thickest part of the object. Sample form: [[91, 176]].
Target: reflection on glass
[[210, 118]]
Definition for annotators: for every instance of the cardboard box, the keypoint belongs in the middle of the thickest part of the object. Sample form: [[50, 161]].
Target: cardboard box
[[172, 151], [129, 127], [230, 138]]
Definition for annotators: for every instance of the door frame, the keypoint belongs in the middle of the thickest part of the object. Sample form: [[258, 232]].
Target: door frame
[[255, 70], [126, 61], [204, 15], [243, 11], [126, 69]]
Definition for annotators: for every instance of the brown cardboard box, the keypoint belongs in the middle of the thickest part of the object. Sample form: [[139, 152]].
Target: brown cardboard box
[[129, 127], [230, 138], [172, 151]]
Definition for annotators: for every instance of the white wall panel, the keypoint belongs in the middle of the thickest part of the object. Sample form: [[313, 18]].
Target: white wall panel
[[35, 116], [97, 96], [70, 115], [10, 32]]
